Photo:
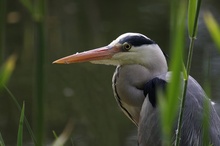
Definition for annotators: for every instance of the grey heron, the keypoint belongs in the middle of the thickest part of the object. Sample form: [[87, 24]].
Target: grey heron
[[141, 69]]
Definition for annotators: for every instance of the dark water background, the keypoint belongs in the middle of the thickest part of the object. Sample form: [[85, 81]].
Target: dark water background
[[82, 92]]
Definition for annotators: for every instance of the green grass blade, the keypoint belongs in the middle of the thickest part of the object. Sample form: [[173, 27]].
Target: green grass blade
[[2, 143], [35, 8], [54, 134], [25, 119], [20, 129], [193, 14], [213, 27], [169, 105], [173, 16], [192, 5], [6, 70], [174, 90], [28, 5], [184, 71], [206, 104], [206, 118], [64, 136]]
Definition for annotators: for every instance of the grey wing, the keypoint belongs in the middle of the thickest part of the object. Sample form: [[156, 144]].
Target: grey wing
[[192, 127], [194, 115], [149, 133], [149, 124]]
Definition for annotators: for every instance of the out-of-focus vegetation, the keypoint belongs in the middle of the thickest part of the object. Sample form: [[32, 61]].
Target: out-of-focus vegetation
[[6, 70], [213, 28], [38, 32], [20, 128]]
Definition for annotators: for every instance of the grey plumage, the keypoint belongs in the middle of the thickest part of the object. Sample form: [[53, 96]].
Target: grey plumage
[[140, 60], [128, 83], [193, 116]]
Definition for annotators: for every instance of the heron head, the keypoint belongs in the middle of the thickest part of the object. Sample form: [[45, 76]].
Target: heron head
[[128, 48]]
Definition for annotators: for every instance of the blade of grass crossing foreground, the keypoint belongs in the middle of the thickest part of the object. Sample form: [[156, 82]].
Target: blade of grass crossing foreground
[[28, 5], [55, 134], [2, 143], [193, 14], [206, 117], [206, 104], [6, 70], [20, 128], [169, 105], [213, 27], [64, 136], [173, 17], [25, 119]]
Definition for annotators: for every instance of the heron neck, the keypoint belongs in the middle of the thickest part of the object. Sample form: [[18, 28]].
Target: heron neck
[[128, 83], [134, 77]]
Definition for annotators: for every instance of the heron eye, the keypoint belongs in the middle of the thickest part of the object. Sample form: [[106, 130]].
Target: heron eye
[[127, 46]]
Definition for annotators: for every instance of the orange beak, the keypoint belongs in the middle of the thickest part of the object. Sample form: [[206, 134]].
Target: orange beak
[[91, 55]]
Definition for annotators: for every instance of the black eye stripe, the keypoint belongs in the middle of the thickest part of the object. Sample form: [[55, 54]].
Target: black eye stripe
[[136, 40]]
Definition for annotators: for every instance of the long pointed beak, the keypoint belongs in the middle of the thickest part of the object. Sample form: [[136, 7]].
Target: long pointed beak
[[91, 55]]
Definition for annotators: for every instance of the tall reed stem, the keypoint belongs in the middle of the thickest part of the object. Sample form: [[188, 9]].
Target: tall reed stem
[[180, 118], [39, 86], [37, 10], [40, 41], [193, 14]]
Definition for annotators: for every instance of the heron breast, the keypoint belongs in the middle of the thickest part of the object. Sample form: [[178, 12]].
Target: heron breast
[[128, 82]]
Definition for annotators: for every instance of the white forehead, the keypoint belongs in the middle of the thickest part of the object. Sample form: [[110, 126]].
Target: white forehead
[[125, 35]]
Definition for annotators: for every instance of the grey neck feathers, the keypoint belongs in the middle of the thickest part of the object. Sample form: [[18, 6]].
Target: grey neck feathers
[[128, 83]]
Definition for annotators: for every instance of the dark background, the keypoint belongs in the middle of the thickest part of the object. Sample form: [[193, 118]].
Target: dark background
[[82, 92]]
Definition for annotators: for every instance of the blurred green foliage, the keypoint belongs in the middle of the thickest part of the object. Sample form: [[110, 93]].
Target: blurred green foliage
[[213, 27], [169, 105], [6, 70], [37, 9], [20, 127], [47, 30], [2, 143]]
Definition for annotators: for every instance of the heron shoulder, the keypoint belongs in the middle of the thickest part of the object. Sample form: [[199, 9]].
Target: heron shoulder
[[193, 115]]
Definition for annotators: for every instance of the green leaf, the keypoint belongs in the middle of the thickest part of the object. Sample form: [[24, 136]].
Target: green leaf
[[185, 75], [64, 136], [36, 8], [7, 69], [2, 143], [193, 14], [213, 28], [169, 105], [28, 5], [20, 129], [55, 135], [25, 119]]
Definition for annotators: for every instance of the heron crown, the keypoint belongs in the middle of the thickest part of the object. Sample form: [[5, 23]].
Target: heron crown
[[135, 39]]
